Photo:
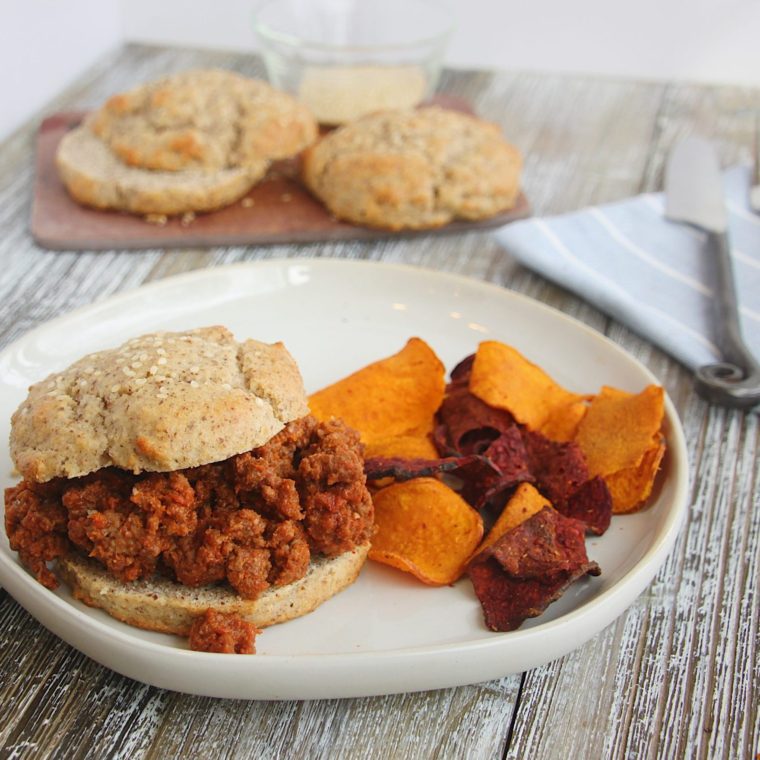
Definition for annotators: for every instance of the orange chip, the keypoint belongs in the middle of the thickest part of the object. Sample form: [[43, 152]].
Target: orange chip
[[562, 423], [503, 378], [525, 502], [631, 486], [423, 430], [619, 428], [426, 529], [389, 397], [403, 446]]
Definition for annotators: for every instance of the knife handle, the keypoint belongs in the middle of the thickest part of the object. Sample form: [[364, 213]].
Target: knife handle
[[735, 381]]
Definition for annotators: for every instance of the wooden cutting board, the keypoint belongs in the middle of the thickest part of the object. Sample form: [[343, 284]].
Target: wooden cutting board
[[277, 210]]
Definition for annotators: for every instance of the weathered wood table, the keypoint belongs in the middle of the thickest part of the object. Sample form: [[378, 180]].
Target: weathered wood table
[[677, 675]]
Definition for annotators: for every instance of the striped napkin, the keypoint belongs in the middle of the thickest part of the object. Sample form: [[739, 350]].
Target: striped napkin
[[646, 272]]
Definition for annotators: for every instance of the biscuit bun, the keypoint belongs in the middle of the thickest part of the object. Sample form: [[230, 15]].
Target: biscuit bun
[[160, 402], [414, 169], [95, 177], [192, 141], [159, 604]]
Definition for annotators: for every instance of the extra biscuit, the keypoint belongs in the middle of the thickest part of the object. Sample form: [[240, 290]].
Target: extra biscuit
[[193, 141], [414, 169]]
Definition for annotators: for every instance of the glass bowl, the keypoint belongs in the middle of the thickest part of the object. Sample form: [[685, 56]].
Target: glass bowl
[[346, 58]]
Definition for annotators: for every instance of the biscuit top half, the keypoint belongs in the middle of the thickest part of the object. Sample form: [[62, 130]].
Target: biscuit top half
[[160, 402], [203, 119]]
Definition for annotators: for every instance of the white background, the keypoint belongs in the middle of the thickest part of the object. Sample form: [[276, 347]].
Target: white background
[[46, 44]]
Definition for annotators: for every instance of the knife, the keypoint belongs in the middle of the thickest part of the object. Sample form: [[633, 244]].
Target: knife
[[694, 195]]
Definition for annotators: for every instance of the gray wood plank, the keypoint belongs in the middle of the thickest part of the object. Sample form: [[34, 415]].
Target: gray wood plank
[[677, 675], [678, 688], [469, 721]]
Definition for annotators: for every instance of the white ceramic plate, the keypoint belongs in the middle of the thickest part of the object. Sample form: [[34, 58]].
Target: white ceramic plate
[[387, 633]]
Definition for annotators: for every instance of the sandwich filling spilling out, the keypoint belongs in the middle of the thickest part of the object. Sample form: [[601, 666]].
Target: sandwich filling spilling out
[[253, 520]]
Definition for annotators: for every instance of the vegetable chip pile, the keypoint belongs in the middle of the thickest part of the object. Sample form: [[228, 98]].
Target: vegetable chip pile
[[498, 474]]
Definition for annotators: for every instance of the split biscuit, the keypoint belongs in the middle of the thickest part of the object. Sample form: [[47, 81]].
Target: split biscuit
[[193, 141]]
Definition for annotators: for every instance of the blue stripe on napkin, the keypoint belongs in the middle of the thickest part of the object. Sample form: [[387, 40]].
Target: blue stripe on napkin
[[646, 272]]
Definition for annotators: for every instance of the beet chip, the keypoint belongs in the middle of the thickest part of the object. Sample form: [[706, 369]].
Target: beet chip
[[440, 438], [401, 469], [460, 375], [559, 468], [591, 504], [481, 481], [471, 425], [528, 568], [508, 456]]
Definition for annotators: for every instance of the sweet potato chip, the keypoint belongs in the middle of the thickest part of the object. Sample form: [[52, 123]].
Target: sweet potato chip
[[423, 430], [405, 446], [525, 502], [562, 423], [619, 428], [529, 567], [390, 397], [505, 379], [426, 529], [631, 486]]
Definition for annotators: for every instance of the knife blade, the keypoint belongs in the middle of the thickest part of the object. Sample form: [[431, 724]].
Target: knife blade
[[693, 186], [694, 195]]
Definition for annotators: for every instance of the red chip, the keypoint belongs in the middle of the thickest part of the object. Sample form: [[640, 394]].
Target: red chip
[[470, 424], [559, 468], [460, 375], [591, 504], [440, 438], [528, 568], [401, 469], [508, 456]]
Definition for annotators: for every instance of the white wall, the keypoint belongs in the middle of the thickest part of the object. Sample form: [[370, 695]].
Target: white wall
[[47, 44], [715, 41]]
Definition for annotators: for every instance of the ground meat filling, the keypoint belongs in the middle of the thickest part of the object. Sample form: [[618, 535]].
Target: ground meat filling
[[252, 520], [219, 632]]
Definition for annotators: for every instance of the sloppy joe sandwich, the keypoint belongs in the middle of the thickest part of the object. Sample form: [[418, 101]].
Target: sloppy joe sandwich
[[181, 477], [193, 141]]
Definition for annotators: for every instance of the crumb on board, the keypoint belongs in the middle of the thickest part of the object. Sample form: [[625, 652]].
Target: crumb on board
[[187, 218], [247, 202], [159, 219], [286, 197]]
